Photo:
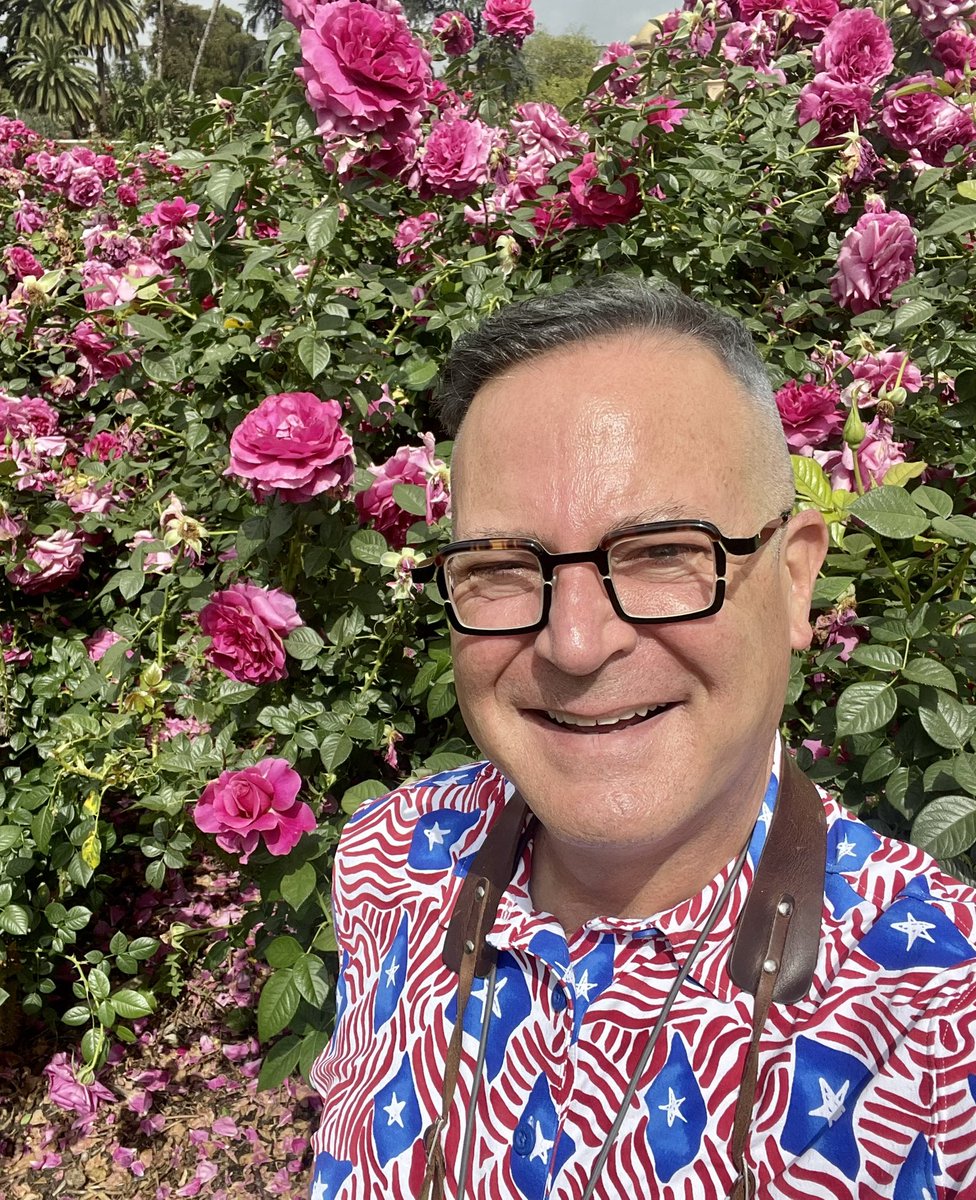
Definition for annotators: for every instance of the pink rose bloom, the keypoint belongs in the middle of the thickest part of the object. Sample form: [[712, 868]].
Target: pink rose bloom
[[810, 413], [299, 12], [879, 373], [410, 236], [100, 642], [85, 187], [24, 417], [29, 217], [625, 80], [812, 17], [935, 16], [456, 159], [542, 130], [410, 464], [876, 455], [59, 556], [68, 1094], [156, 562], [453, 30], [838, 628], [173, 212], [956, 50], [509, 18], [258, 803], [665, 113], [857, 47], [127, 194], [362, 68], [750, 44], [21, 263], [593, 204], [836, 104], [877, 256], [247, 626], [292, 444], [925, 122]]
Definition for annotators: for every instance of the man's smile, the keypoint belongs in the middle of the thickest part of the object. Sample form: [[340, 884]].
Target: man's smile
[[602, 722]]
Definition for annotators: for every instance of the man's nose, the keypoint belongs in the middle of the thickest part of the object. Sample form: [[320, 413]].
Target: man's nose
[[583, 631]]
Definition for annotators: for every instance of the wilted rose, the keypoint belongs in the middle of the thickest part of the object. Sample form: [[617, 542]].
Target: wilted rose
[[856, 47], [509, 18], [410, 464], [456, 159], [67, 1093], [876, 256], [809, 412], [924, 122], [591, 201], [254, 804], [453, 30], [57, 559], [247, 625], [292, 444], [836, 104]]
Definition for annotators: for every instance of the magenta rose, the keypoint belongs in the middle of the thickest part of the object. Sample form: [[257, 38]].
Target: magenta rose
[[593, 204], [57, 560], [878, 373], [810, 413], [509, 18], [542, 129], [292, 444], [924, 122], [254, 804], [836, 104], [876, 256], [21, 263], [101, 642], [812, 17], [84, 187], [453, 30], [411, 234], [362, 68], [667, 114], [68, 1094], [410, 464], [624, 81], [856, 47], [935, 16], [247, 625], [956, 50], [456, 159]]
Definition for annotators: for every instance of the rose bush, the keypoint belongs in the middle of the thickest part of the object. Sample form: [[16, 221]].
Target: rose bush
[[218, 470]]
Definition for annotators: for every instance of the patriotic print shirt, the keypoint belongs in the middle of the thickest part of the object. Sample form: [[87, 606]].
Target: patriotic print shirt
[[867, 1087]]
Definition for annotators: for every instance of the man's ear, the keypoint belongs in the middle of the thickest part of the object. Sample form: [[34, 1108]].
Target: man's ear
[[804, 548]]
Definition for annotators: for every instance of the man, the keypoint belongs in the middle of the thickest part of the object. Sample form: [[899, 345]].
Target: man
[[649, 1004]]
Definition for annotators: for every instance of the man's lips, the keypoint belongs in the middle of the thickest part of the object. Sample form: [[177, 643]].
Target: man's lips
[[600, 722]]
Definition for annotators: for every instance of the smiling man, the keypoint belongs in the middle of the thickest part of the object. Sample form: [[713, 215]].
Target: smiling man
[[635, 953]]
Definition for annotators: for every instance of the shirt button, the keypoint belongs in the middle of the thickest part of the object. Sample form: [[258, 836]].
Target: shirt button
[[522, 1141], [558, 999]]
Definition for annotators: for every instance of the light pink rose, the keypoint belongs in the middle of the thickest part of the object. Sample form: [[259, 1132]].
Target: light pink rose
[[856, 47], [664, 112], [509, 18], [456, 159], [453, 30], [84, 187], [411, 234], [624, 82], [292, 444], [876, 455], [247, 625], [935, 16], [410, 464], [258, 803], [876, 256], [925, 122], [100, 642], [879, 372], [362, 68], [593, 204], [956, 50], [543, 131], [836, 104], [59, 556], [68, 1094], [751, 44], [810, 413]]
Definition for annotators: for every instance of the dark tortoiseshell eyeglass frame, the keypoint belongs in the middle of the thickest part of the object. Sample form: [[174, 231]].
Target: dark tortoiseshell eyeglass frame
[[600, 557]]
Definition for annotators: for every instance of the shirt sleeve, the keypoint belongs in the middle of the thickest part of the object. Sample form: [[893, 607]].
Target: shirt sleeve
[[954, 1050]]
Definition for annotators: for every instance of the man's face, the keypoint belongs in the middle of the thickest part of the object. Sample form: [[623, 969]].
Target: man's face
[[564, 449]]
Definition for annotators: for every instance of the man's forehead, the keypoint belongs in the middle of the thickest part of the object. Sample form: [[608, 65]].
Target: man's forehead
[[666, 511]]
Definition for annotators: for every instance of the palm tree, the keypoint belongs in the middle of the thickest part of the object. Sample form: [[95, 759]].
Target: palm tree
[[263, 14], [203, 43], [47, 76], [100, 25]]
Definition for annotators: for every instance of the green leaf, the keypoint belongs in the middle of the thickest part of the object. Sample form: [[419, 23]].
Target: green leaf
[[42, 826], [881, 658], [901, 473], [279, 1062], [811, 482], [284, 951], [420, 373], [347, 628], [311, 980], [321, 228], [15, 919], [312, 1046], [315, 354], [131, 1004], [946, 826], [879, 765], [10, 836], [303, 643], [277, 1004], [223, 185], [933, 500], [959, 528], [863, 707], [148, 327], [98, 983], [411, 498], [964, 772], [911, 313], [961, 218], [367, 789], [80, 1014], [967, 189], [949, 724], [927, 670], [441, 699], [297, 886], [890, 512], [334, 749], [368, 546]]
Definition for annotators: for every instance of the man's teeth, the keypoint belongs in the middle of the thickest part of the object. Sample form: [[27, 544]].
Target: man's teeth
[[616, 719]]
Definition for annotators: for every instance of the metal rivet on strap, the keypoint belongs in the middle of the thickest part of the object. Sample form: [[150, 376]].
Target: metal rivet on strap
[[469, 947], [784, 908], [770, 965], [480, 891]]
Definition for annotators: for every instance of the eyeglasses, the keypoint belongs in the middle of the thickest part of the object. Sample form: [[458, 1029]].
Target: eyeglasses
[[663, 572]]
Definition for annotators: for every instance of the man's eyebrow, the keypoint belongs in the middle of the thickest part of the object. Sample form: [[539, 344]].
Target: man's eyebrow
[[661, 512]]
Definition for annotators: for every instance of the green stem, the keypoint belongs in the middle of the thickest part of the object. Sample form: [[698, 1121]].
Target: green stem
[[904, 595]]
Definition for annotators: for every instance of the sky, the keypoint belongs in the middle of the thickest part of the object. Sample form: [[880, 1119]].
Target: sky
[[603, 21]]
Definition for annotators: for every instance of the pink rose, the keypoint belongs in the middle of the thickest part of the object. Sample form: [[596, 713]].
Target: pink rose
[[509, 18], [593, 204], [542, 130], [411, 234], [29, 217], [810, 413], [935, 16], [956, 50], [453, 30], [878, 373], [750, 44], [876, 256], [299, 12], [99, 643], [812, 17], [456, 159], [838, 628], [292, 444], [665, 113], [925, 122], [836, 104], [68, 1094], [254, 804], [26, 417], [410, 464], [362, 68], [173, 212], [856, 47], [84, 187], [246, 625], [58, 556], [876, 455], [21, 263], [624, 81]]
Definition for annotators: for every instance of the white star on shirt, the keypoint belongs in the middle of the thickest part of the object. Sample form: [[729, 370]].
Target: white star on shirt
[[832, 1103], [913, 930], [672, 1110], [765, 814], [496, 1010], [394, 1111], [542, 1145], [584, 985], [434, 836], [319, 1188], [391, 972], [846, 849]]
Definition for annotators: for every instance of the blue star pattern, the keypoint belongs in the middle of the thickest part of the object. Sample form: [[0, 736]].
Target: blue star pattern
[[826, 1084], [510, 1006], [434, 836], [913, 933], [535, 1141], [840, 895], [916, 1179], [393, 973], [677, 1113], [396, 1114], [552, 949], [329, 1174], [849, 845], [592, 975]]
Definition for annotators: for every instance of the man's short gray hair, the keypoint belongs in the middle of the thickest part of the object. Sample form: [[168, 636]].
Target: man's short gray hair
[[610, 307]]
